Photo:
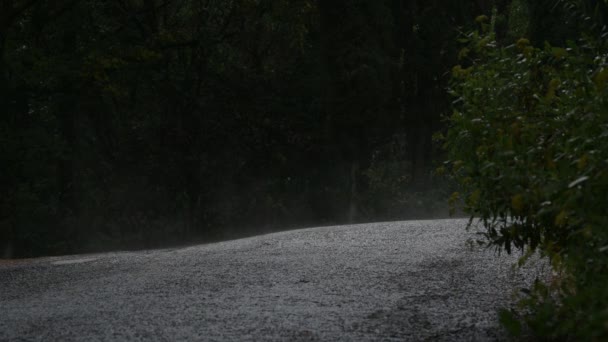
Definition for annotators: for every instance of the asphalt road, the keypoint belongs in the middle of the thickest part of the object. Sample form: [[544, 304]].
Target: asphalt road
[[414, 280]]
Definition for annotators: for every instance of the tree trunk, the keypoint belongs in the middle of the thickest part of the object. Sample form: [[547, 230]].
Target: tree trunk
[[66, 162], [5, 11], [353, 202], [66, 114]]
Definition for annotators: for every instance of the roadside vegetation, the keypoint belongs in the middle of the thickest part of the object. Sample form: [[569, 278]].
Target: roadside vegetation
[[528, 145]]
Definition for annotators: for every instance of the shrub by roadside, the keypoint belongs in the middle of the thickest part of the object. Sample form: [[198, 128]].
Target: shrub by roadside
[[528, 144]]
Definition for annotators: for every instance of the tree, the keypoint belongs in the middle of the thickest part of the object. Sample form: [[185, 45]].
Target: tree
[[359, 58], [527, 144], [166, 120]]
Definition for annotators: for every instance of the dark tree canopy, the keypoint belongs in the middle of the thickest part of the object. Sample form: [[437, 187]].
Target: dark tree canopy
[[139, 123]]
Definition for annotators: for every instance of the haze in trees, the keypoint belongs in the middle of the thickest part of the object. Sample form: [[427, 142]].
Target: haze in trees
[[140, 123]]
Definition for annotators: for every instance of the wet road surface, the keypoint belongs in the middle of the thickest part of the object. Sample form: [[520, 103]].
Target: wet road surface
[[412, 280]]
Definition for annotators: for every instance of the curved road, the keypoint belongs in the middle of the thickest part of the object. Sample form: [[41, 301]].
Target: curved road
[[414, 280]]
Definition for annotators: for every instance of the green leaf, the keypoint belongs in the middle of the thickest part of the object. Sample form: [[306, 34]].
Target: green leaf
[[508, 320]]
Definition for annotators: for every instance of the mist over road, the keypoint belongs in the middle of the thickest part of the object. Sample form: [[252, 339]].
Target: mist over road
[[412, 280]]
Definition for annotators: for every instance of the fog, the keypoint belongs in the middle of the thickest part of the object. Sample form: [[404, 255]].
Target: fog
[[132, 127]]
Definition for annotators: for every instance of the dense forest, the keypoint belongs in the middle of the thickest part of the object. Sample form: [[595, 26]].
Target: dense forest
[[143, 123]]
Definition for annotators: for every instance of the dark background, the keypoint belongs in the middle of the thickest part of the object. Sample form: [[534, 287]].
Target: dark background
[[144, 123]]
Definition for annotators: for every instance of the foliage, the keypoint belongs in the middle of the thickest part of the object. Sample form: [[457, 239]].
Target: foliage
[[528, 143], [141, 123], [120, 117]]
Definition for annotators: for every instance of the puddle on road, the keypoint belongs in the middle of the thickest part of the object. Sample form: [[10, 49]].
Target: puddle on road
[[72, 261]]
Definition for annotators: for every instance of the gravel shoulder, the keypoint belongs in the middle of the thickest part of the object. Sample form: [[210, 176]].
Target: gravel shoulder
[[411, 280]]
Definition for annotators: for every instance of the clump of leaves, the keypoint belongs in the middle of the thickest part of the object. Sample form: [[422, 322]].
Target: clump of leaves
[[528, 144]]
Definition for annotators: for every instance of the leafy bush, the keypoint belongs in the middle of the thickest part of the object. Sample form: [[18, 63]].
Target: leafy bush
[[528, 144]]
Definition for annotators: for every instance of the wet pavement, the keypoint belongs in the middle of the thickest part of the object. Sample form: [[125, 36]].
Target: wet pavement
[[411, 280]]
